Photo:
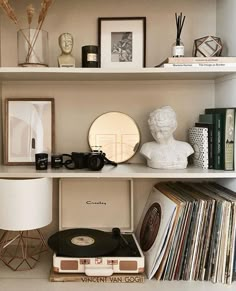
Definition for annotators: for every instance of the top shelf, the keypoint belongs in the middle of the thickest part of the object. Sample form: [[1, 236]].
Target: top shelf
[[101, 74]]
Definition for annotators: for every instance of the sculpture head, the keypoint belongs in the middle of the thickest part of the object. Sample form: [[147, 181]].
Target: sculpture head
[[66, 42], [162, 123]]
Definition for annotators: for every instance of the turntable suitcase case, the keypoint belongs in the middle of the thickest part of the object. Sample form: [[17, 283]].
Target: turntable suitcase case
[[86, 209]]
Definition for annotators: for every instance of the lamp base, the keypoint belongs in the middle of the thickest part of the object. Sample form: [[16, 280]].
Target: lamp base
[[21, 250]]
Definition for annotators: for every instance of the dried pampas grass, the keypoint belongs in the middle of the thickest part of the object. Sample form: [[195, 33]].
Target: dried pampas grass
[[44, 10], [6, 7], [30, 12]]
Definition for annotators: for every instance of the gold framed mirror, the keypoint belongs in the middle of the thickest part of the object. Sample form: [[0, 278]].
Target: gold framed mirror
[[116, 134]]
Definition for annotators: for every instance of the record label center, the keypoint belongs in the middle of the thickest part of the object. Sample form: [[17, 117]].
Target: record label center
[[82, 241]]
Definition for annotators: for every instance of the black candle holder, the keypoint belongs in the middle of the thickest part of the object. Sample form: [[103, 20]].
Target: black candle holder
[[41, 161], [90, 56]]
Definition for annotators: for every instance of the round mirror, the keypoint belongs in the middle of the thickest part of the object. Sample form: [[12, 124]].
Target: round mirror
[[116, 134]]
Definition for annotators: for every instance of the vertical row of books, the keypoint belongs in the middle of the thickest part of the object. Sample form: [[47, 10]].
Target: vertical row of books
[[213, 139], [196, 240]]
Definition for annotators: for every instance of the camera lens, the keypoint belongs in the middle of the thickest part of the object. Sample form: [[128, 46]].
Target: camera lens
[[95, 162]]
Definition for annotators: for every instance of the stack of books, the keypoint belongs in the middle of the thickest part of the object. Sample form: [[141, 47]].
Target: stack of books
[[201, 245], [198, 62], [213, 139]]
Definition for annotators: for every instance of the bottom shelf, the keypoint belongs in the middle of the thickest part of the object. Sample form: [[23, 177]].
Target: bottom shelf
[[38, 280]]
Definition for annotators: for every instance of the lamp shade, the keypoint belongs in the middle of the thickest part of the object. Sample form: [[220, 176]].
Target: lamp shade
[[25, 204]]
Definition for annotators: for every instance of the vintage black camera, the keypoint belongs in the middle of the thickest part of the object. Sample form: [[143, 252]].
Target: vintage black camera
[[94, 160]]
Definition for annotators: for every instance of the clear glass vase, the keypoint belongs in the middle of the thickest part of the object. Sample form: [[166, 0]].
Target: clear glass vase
[[178, 49], [32, 46]]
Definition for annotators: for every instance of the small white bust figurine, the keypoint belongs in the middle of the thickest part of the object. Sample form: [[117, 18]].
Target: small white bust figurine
[[165, 152], [66, 44]]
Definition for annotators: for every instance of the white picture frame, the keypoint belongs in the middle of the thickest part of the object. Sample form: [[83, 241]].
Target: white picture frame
[[29, 129]]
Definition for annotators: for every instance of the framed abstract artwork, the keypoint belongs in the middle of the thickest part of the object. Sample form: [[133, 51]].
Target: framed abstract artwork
[[122, 42], [29, 129]]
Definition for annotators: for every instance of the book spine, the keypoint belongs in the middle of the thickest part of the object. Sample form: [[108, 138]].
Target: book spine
[[201, 60], [229, 139], [199, 65], [218, 142], [82, 278], [226, 129], [218, 138]]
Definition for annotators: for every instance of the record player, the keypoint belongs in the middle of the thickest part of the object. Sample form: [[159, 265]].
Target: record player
[[96, 225]]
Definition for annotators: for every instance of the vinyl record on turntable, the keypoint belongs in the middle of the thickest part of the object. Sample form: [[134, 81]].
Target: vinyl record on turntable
[[83, 242]]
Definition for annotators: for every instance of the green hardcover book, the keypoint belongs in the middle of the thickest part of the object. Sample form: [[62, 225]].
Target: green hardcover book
[[227, 135], [215, 120]]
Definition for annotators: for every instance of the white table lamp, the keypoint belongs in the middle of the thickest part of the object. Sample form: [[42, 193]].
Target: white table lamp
[[25, 207]]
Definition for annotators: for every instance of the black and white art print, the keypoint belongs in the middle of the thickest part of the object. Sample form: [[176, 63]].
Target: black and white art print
[[122, 42], [121, 46]]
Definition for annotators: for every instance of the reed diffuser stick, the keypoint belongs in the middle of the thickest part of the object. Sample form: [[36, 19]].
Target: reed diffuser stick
[[179, 20]]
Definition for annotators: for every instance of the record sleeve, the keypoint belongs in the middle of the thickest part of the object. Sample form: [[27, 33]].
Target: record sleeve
[[154, 229], [230, 249], [168, 261]]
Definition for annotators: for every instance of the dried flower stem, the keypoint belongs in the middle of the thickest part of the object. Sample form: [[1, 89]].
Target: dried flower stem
[[30, 13], [8, 10], [6, 7], [42, 15]]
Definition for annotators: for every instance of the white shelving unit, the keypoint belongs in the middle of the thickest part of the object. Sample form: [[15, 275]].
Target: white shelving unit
[[101, 74], [81, 94]]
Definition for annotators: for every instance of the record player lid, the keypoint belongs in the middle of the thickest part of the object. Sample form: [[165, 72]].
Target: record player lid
[[101, 204]]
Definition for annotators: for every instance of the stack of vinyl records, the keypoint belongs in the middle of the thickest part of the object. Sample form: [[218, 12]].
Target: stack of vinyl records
[[201, 245]]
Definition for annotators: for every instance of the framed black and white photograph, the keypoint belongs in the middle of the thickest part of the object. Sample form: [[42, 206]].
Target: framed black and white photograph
[[29, 129], [122, 42]]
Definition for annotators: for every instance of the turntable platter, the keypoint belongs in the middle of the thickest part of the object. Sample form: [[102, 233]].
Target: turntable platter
[[83, 242]]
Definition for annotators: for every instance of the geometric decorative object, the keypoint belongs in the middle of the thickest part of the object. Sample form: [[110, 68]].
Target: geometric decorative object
[[208, 46], [25, 207], [21, 250]]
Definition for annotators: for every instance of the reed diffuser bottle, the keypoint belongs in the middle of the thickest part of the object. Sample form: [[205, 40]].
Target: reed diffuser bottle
[[178, 46]]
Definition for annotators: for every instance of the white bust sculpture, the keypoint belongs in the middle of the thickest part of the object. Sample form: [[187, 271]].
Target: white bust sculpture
[[66, 44], [165, 152]]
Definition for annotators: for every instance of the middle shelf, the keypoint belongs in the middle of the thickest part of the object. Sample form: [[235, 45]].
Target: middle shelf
[[121, 171]]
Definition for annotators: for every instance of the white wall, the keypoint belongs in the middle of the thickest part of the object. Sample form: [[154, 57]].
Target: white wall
[[226, 23]]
